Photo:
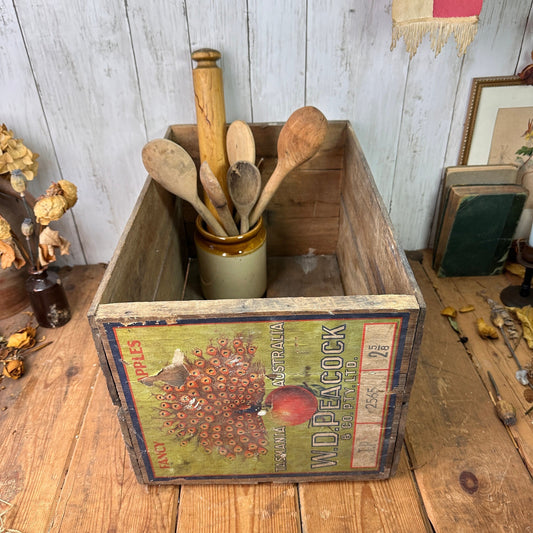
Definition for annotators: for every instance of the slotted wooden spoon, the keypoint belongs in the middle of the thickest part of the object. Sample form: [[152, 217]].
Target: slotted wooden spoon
[[171, 166]]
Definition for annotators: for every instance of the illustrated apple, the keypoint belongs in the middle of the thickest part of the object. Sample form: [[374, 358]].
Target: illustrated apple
[[291, 404]]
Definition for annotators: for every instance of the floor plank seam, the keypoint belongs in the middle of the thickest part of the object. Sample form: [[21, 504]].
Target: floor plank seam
[[412, 473], [71, 453]]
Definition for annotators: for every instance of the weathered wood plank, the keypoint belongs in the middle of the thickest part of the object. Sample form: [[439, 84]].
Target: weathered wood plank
[[84, 67], [38, 430], [100, 484], [267, 507], [490, 355], [28, 120], [135, 271], [382, 263], [423, 141], [304, 276], [160, 42], [223, 26], [349, 65], [277, 76], [343, 506], [469, 474]]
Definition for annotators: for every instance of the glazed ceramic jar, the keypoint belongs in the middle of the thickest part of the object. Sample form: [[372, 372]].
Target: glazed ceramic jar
[[232, 267]]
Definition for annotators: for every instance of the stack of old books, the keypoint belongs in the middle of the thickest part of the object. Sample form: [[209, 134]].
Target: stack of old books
[[480, 207]]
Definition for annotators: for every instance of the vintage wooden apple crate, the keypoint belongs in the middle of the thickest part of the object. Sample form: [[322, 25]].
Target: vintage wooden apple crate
[[309, 383]]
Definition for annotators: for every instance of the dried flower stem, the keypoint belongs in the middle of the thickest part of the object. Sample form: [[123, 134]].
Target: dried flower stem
[[30, 240]]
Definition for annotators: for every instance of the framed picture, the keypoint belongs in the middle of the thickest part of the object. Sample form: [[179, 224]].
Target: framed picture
[[499, 114]]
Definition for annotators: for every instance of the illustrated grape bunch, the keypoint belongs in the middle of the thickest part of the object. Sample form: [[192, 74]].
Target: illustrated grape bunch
[[217, 405]]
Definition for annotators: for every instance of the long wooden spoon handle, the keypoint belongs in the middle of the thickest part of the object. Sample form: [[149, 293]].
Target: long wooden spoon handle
[[266, 195], [209, 218], [218, 199]]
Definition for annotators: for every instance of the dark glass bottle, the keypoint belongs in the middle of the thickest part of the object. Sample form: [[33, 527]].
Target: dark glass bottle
[[48, 298]]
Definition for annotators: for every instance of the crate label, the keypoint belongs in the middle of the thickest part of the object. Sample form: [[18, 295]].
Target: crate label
[[287, 396]]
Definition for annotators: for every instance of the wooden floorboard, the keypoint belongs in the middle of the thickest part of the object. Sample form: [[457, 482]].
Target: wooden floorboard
[[38, 431], [339, 506], [64, 466], [470, 475]]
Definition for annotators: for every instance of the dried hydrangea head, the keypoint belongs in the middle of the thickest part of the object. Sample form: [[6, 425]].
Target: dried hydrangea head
[[14, 155], [10, 254], [49, 241], [70, 192], [50, 208], [5, 229], [58, 198], [13, 368]]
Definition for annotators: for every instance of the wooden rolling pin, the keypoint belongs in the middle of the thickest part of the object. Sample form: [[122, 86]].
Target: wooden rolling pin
[[211, 116]]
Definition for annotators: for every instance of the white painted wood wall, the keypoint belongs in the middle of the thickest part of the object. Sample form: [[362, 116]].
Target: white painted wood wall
[[86, 84]]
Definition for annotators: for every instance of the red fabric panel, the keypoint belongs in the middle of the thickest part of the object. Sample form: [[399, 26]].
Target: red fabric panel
[[456, 8]]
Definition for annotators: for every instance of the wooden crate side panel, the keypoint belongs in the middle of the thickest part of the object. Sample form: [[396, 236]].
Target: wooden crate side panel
[[266, 139], [356, 277], [132, 312], [135, 269], [301, 236], [383, 261], [144, 349], [173, 271], [117, 392]]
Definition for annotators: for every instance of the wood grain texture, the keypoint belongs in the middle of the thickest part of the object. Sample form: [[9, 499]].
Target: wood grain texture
[[417, 158], [135, 271], [100, 465], [267, 507], [55, 394], [227, 23], [28, 120], [59, 424], [160, 42], [464, 462], [493, 355], [343, 506], [89, 93], [88, 97], [361, 80], [277, 79]]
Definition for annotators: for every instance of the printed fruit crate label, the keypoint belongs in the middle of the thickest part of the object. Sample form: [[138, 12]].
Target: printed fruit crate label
[[287, 396]]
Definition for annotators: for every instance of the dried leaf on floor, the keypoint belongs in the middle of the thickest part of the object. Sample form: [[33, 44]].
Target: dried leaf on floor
[[24, 338], [516, 269], [449, 311], [486, 331], [525, 315]]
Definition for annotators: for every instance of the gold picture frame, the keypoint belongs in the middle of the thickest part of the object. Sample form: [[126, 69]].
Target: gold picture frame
[[488, 97]]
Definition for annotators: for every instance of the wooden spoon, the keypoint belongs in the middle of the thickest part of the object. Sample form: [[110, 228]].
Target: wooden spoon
[[215, 193], [172, 167], [244, 184], [299, 140], [240, 144]]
